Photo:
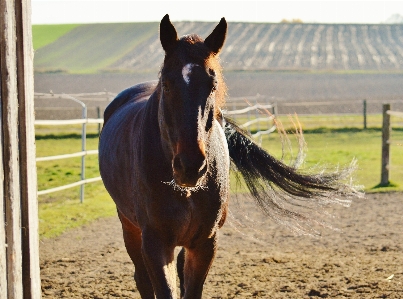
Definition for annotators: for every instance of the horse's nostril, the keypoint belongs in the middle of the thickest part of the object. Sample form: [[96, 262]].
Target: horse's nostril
[[187, 171]]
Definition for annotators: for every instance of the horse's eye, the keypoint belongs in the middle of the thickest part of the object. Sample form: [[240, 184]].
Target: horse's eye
[[165, 88], [214, 88]]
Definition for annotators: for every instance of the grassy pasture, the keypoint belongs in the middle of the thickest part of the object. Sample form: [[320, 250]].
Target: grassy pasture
[[43, 35], [327, 146], [62, 210], [93, 47]]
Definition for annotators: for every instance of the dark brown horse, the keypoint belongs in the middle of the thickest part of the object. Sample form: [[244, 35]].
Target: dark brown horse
[[165, 153]]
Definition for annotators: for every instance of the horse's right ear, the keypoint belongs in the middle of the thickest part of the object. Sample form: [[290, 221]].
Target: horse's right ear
[[168, 35], [216, 39]]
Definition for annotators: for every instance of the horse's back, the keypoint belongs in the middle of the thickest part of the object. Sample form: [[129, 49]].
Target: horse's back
[[134, 93]]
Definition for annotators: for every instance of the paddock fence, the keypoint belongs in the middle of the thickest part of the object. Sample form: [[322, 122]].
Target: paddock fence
[[83, 153], [387, 142], [363, 113], [256, 114]]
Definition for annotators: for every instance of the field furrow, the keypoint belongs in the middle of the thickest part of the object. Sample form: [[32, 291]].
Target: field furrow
[[275, 46], [244, 51], [395, 46], [288, 52]]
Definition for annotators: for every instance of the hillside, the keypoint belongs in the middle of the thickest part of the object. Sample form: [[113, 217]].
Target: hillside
[[134, 47], [44, 35]]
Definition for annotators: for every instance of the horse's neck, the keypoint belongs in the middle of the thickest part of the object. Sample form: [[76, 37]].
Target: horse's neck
[[149, 124], [151, 151]]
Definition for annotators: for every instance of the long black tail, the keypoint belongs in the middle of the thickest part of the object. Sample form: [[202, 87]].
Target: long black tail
[[283, 192]]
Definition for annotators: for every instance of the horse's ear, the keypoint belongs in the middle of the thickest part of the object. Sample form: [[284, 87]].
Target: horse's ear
[[216, 39], [168, 35]]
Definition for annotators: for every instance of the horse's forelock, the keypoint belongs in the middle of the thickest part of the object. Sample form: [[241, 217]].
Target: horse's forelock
[[191, 38]]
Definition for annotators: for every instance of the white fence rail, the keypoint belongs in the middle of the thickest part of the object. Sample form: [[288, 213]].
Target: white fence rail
[[48, 122], [94, 96], [258, 110], [64, 187], [251, 108], [67, 156], [395, 113]]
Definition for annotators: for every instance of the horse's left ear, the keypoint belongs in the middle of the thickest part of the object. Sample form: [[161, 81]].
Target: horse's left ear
[[216, 39], [168, 35]]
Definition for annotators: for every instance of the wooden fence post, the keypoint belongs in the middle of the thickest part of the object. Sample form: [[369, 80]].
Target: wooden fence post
[[275, 109], [365, 113], [99, 116], [19, 255], [385, 146]]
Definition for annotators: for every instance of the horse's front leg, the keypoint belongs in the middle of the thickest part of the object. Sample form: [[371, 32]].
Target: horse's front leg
[[132, 238], [158, 255], [198, 261]]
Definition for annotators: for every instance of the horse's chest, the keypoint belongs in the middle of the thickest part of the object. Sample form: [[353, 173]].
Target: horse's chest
[[188, 219], [202, 221]]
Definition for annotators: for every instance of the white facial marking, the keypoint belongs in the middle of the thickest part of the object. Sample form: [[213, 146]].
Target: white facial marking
[[186, 71]]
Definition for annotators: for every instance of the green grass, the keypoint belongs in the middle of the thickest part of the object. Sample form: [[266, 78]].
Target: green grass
[[61, 132], [93, 48], [65, 212], [340, 147], [43, 35], [62, 211]]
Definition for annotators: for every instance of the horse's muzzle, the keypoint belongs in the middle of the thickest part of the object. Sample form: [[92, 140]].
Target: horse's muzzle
[[188, 172]]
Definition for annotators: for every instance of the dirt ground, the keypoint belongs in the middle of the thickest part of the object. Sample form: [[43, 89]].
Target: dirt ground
[[256, 258], [277, 86]]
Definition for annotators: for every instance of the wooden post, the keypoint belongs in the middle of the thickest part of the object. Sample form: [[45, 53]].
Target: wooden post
[[99, 116], [83, 148], [19, 271], [234, 108], [257, 111], [248, 120], [9, 110], [385, 146], [365, 113], [3, 240], [268, 125], [28, 175], [275, 109]]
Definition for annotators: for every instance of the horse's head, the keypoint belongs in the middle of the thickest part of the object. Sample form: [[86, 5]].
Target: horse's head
[[191, 91]]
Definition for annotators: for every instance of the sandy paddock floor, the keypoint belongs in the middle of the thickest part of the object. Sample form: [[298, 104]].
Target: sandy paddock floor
[[256, 258]]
